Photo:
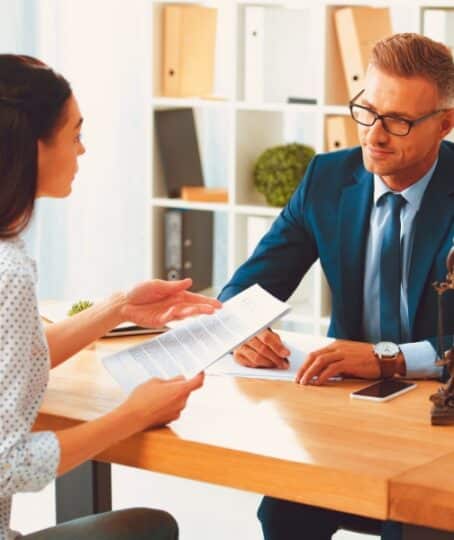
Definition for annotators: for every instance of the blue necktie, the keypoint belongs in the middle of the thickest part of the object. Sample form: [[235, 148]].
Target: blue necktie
[[391, 272]]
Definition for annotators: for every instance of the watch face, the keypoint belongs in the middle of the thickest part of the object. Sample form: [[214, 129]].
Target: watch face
[[386, 348]]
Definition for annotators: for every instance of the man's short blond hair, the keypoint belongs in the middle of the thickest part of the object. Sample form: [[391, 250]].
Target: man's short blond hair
[[413, 55]]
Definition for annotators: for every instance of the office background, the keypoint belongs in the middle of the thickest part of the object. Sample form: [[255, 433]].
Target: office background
[[98, 240]]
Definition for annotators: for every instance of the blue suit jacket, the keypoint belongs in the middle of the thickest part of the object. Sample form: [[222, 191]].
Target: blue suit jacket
[[328, 218]]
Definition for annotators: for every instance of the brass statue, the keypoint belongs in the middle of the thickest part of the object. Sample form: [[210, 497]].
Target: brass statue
[[443, 409]]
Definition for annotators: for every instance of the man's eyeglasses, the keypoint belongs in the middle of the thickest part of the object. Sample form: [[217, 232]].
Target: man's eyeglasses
[[392, 124]]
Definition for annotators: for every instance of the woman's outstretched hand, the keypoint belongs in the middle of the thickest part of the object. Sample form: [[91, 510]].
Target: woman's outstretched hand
[[155, 303]]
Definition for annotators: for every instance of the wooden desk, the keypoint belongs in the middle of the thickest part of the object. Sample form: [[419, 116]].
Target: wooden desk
[[425, 495], [307, 444]]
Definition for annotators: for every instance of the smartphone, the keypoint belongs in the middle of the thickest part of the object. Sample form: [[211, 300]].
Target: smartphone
[[384, 390]]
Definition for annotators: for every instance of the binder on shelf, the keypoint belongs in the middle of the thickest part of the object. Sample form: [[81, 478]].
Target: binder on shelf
[[273, 69], [358, 29], [341, 132], [438, 24], [178, 149], [189, 246], [189, 43]]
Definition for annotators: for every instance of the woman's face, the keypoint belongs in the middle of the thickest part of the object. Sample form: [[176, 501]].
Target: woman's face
[[57, 156]]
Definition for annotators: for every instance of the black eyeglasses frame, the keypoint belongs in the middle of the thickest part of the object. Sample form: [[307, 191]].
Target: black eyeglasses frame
[[383, 117]]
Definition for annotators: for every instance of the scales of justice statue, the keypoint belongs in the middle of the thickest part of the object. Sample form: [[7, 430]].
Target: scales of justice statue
[[442, 412]]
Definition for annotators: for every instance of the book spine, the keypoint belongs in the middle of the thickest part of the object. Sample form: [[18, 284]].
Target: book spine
[[172, 31], [254, 79]]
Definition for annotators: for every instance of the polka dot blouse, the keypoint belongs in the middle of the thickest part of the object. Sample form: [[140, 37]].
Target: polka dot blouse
[[28, 461]]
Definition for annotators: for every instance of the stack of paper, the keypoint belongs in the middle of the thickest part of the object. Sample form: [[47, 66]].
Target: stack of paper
[[194, 345]]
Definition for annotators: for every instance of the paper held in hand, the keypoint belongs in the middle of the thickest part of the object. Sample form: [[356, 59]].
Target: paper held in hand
[[197, 343]]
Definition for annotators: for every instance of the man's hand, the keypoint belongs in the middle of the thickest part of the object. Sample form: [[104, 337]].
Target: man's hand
[[155, 303], [265, 350], [346, 358]]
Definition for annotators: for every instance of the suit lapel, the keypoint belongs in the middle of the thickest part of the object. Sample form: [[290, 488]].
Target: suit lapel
[[434, 217], [354, 213]]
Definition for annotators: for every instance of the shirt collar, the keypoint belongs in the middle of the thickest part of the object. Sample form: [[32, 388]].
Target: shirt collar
[[412, 194]]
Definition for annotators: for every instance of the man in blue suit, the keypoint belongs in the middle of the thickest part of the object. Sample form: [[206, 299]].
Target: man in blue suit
[[381, 220]]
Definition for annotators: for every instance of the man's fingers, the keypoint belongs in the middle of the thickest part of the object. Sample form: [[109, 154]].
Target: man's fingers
[[317, 366], [252, 359], [242, 359], [333, 370], [310, 359], [273, 341], [268, 354]]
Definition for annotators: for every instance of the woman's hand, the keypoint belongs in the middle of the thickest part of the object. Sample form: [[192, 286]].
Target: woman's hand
[[158, 402], [154, 303]]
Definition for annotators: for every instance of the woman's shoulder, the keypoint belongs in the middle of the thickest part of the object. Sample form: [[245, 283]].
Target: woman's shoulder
[[14, 261]]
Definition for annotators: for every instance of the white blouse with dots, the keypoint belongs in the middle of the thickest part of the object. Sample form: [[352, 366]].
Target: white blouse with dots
[[28, 461]]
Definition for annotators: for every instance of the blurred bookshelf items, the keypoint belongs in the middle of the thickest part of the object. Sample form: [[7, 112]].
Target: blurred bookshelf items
[[438, 24], [273, 66], [204, 194], [188, 251], [178, 149], [257, 227], [358, 28], [189, 43], [341, 132], [279, 170]]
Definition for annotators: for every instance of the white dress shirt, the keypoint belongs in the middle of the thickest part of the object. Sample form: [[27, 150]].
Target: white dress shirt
[[420, 356], [28, 461]]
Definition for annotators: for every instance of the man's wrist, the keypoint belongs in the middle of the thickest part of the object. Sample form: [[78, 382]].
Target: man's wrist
[[390, 358]]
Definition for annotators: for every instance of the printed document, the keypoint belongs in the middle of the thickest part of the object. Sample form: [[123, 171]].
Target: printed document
[[195, 344], [299, 346]]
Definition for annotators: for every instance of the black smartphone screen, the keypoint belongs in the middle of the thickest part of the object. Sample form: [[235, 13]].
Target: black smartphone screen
[[383, 388]]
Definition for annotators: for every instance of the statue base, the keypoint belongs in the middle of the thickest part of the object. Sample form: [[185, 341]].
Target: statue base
[[442, 413], [442, 416]]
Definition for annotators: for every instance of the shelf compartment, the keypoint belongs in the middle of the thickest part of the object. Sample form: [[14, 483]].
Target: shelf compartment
[[164, 202], [256, 132], [220, 240], [211, 125], [269, 67]]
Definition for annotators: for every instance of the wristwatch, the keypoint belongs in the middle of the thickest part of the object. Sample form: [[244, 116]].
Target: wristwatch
[[387, 354]]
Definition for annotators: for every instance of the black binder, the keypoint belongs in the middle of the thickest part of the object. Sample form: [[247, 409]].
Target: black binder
[[189, 246], [178, 149]]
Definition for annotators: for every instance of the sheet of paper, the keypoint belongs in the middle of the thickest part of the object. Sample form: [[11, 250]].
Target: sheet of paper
[[299, 347], [228, 366], [193, 346]]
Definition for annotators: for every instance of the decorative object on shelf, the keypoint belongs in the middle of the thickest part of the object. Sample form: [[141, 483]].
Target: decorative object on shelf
[[271, 62], [301, 100], [442, 412], [279, 170], [204, 194], [179, 149], [188, 251], [341, 132], [79, 306], [356, 37], [189, 44]]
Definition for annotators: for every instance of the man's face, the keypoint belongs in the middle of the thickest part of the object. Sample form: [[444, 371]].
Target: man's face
[[401, 160]]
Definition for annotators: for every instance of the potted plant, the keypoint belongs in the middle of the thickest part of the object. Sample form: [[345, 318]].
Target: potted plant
[[279, 170]]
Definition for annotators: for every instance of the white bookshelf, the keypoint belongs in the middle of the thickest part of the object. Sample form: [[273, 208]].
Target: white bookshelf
[[232, 132]]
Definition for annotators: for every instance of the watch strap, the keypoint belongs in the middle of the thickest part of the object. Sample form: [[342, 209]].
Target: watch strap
[[388, 367]]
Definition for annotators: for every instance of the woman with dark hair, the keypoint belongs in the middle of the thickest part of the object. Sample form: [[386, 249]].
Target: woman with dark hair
[[40, 143]]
